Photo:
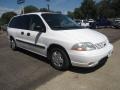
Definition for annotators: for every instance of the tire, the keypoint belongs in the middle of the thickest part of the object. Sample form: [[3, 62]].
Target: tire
[[13, 44], [59, 59]]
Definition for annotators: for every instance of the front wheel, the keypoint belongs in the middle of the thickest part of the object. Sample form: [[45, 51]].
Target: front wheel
[[59, 59]]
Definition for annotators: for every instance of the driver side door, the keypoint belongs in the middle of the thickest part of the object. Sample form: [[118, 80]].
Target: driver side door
[[34, 36]]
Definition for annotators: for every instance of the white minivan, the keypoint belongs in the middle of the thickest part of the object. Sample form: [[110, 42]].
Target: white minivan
[[58, 38]]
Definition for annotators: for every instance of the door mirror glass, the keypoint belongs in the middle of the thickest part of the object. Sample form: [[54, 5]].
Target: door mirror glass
[[39, 28]]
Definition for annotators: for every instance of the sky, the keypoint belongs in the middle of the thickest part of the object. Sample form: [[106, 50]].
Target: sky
[[55, 5]]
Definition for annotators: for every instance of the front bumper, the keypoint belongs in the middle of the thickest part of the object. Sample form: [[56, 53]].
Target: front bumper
[[90, 58]]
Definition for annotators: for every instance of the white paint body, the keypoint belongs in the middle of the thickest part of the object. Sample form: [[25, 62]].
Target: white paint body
[[66, 39]]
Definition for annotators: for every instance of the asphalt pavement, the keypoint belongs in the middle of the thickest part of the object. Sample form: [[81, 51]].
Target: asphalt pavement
[[22, 70], [105, 76]]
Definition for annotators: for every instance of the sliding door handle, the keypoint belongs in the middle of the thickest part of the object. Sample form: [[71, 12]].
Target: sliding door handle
[[28, 34], [22, 33]]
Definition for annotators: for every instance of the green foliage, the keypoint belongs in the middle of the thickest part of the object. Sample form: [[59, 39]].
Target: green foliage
[[5, 18], [44, 10], [77, 13], [70, 14], [88, 8], [115, 4], [104, 9], [91, 9], [30, 9], [0, 21]]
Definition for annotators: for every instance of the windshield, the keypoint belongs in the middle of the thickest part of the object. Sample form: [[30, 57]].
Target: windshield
[[60, 22]]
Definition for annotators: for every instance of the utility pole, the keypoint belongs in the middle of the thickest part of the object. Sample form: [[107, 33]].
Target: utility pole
[[48, 5], [22, 6]]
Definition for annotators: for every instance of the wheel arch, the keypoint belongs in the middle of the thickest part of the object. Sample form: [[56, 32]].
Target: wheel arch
[[58, 46], [11, 38]]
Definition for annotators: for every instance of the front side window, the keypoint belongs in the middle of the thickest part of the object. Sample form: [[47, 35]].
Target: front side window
[[36, 23], [60, 22]]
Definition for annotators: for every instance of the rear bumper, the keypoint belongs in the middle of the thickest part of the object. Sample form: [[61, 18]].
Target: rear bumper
[[90, 58]]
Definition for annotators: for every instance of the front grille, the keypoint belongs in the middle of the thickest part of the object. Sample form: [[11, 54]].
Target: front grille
[[100, 45]]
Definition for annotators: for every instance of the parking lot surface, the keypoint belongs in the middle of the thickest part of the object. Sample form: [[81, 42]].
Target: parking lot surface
[[103, 77], [22, 70]]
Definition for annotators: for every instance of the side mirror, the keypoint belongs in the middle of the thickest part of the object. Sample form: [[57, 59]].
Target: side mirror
[[40, 28]]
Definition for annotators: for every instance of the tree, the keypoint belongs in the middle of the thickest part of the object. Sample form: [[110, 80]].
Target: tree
[[44, 10], [78, 14], [57, 12], [91, 9], [5, 18], [115, 4], [70, 14], [105, 9], [88, 8], [1, 21], [30, 9]]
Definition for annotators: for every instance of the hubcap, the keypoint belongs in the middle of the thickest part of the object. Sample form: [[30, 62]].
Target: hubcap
[[57, 58]]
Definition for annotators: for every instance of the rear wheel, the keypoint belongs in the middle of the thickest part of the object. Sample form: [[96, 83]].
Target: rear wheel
[[13, 44], [59, 59]]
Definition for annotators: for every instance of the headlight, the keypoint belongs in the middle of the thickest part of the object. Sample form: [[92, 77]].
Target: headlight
[[84, 46]]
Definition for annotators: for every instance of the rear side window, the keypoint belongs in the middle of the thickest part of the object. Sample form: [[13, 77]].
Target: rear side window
[[20, 22]]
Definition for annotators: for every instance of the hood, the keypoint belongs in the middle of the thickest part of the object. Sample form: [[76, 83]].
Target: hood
[[83, 35]]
